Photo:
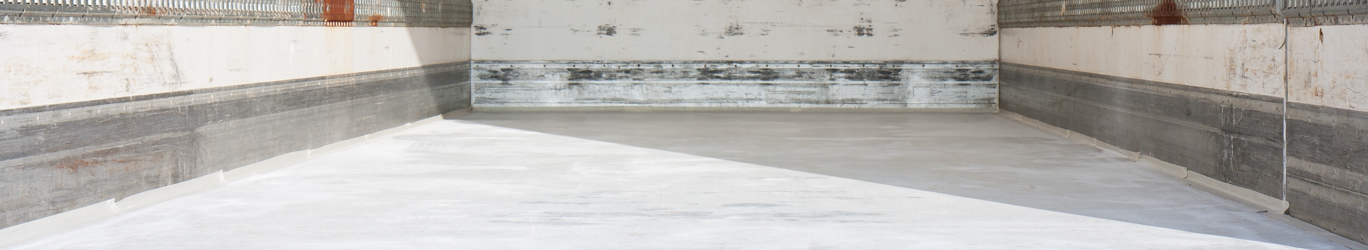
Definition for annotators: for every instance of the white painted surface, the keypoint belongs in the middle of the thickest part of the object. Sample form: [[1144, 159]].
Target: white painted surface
[[49, 64], [1241, 58], [655, 30], [1329, 66], [647, 181]]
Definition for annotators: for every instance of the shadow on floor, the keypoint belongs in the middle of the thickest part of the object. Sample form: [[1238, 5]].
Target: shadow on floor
[[980, 156]]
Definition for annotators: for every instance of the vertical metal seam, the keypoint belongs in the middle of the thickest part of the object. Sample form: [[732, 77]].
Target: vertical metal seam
[[997, 97], [1287, 90]]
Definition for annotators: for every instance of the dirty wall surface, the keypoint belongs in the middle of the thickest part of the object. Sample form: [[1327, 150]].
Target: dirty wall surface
[[1209, 85], [102, 101], [1327, 127], [70, 63], [537, 54], [1207, 97]]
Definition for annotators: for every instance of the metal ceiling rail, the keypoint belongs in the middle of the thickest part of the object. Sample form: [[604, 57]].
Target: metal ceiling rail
[[422, 13], [1326, 12], [1066, 13]]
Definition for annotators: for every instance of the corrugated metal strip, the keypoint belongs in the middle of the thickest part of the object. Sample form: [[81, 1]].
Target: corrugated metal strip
[[419, 13], [1068, 13], [1326, 12], [1053, 13]]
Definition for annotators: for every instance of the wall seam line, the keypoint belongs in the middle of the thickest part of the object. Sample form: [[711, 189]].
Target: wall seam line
[[1287, 90]]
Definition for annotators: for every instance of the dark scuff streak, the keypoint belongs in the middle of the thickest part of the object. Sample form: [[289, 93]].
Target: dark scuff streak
[[481, 30], [607, 30]]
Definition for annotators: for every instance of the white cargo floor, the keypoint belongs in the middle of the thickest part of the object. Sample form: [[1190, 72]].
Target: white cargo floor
[[703, 181]]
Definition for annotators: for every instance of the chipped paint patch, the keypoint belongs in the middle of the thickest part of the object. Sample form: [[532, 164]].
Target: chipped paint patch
[[607, 30], [989, 32], [481, 30], [864, 30]]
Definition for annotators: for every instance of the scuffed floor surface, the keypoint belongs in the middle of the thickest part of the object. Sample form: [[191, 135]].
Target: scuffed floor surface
[[703, 181]]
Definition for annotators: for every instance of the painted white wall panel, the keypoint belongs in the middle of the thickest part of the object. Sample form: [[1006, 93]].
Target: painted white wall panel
[[735, 30], [1329, 66], [50, 64], [1241, 58]]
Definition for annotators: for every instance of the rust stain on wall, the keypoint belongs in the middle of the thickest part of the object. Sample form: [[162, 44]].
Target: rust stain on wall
[[1167, 13], [375, 20], [117, 156], [339, 10], [75, 165], [147, 11]]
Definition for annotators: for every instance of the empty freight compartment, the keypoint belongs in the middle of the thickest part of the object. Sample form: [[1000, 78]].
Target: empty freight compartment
[[631, 124]]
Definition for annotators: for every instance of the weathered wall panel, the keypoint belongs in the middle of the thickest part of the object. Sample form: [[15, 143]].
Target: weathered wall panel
[[767, 53], [1328, 168], [1337, 210], [755, 30], [1329, 66], [1085, 13], [1230, 136], [1206, 97], [65, 156], [1316, 62], [920, 85], [71, 63], [124, 97], [1240, 58], [1327, 127]]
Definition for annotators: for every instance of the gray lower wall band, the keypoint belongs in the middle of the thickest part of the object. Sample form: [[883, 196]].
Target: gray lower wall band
[[1232, 137], [1327, 168], [922, 85], [66, 156]]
